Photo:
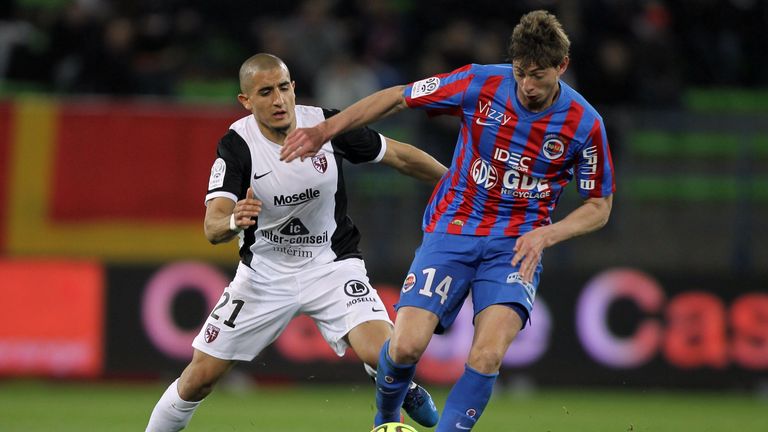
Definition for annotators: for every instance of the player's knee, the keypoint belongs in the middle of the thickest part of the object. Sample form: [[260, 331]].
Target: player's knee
[[196, 383], [405, 352], [485, 360]]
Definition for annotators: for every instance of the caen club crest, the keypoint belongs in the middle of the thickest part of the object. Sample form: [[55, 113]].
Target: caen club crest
[[320, 162], [553, 146], [211, 332]]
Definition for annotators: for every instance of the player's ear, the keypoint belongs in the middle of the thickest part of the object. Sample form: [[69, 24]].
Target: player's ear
[[243, 99], [561, 68]]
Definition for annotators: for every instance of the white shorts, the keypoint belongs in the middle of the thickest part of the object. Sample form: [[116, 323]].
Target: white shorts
[[252, 313]]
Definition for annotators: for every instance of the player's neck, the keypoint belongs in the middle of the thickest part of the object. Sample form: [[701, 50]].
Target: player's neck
[[276, 135]]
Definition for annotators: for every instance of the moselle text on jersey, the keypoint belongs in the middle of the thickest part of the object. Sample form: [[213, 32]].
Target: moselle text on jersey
[[510, 165], [303, 220]]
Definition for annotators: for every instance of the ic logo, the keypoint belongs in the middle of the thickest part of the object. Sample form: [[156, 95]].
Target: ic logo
[[355, 288]]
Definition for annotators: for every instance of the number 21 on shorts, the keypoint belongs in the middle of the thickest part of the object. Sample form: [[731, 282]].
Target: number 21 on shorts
[[230, 322]]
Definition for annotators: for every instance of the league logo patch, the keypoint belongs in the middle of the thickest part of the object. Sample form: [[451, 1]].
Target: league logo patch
[[553, 147], [218, 170], [424, 87], [409, 282], [320, 162], [211, 332]]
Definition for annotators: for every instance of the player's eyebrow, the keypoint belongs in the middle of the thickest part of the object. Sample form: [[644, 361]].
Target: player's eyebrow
[[269, 87], [530, 71]]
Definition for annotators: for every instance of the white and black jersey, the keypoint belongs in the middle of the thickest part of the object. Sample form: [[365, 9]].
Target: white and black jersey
[[303, 220]]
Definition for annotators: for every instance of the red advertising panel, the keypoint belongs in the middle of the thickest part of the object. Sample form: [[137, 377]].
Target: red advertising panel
[[52, 321], [137, 162], [5, 165]]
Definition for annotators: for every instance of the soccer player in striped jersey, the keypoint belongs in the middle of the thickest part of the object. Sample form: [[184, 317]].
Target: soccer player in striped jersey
[[298, 248], [524, 135]]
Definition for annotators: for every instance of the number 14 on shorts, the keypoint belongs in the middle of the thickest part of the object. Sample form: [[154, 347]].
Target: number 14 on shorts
[[441, 288]]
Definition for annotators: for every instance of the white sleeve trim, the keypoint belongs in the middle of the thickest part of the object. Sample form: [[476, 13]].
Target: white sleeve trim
[[380, 156], [222, 194]]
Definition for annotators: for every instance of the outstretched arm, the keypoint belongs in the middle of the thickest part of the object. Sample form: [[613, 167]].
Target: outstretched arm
[[413, 162], [304, 142], [590, 216]]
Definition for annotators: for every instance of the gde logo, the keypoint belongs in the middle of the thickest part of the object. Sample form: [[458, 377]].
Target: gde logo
[[484, 173], [523, 186]]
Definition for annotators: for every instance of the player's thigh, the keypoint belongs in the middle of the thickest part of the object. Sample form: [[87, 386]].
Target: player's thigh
[[339, 297], [497, 281], [249, 315], [440, 274]]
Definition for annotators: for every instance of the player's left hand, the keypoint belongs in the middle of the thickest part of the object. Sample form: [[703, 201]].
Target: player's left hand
[[302, 143], [528, 249]]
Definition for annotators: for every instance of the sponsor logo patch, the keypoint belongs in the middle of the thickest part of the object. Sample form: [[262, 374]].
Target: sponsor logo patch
[[298, 198], [515, 278], [355, 288], [484, 174], [293, 227]]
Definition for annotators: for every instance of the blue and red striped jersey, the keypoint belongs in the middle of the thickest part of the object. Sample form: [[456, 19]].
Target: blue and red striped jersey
[[510, 165]]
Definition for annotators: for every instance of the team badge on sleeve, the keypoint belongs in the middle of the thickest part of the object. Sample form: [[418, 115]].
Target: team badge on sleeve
[[424, 87], [217, 174], [211, 332], [320, 163]]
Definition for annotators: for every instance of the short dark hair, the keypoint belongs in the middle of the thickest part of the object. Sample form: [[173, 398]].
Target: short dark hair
[[538, 39], [255, 63]]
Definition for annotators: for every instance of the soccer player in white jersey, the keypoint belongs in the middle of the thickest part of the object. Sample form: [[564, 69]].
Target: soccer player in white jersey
[[298, 248]]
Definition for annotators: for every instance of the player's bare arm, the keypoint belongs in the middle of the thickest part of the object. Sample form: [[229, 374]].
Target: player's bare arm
[[304, 142], [592, 215], [221, 212], [413, 162]]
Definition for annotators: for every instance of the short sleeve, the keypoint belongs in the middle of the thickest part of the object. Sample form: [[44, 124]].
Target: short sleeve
[[440, 94], [594, 167], [230, 173]]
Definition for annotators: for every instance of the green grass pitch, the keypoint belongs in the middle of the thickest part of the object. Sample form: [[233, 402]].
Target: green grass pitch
[[42, 406]]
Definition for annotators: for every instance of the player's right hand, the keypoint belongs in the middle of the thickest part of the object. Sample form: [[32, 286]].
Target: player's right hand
[[246, 209], [302, 143]]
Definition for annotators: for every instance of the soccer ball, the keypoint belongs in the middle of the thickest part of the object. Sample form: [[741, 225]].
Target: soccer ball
[[394, 427]]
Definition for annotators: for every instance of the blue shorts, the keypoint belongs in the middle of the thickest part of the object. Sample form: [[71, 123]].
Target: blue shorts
[[447, 267]]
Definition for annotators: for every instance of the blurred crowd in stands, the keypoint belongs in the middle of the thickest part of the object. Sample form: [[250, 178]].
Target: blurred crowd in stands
[[624, 52]]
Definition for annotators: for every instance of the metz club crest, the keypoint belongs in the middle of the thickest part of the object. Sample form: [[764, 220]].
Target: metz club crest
[[211, 332], [320, 162]]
